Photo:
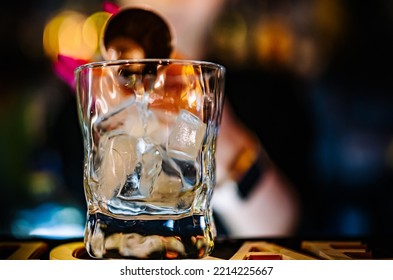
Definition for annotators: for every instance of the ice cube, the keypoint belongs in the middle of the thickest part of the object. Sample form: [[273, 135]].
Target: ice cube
[[131, 187], [169, 182], [189, 172], [119, 159], [141, 180], [160, 124], [134, 118], [185, 140], [127, 117], [176, 177]]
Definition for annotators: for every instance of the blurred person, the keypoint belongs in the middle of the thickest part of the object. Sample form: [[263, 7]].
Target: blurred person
[[253, 198], [325, 115]]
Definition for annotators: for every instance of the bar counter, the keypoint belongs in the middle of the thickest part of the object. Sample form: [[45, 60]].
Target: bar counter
[[225, 249]]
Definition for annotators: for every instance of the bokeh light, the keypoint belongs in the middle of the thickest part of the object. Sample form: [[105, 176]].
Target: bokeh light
[[73, 34], [274, 41]]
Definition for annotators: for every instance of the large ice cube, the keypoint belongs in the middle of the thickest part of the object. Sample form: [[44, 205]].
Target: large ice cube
[[119, 159], [169, 182], [135, 119], [190, 172], [186, 138], [160, 125], [141, 180], [175, 177], [128, 117]]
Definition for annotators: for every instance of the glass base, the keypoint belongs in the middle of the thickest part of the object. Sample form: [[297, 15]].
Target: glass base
[[190, 237]]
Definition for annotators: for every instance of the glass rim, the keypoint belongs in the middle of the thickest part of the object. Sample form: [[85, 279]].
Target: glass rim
[[163, 61]]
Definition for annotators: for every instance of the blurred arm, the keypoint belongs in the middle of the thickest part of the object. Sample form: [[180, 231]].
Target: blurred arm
[[271, 206]]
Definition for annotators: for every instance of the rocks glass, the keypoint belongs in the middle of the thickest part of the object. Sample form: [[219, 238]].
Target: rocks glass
[[149, 129]]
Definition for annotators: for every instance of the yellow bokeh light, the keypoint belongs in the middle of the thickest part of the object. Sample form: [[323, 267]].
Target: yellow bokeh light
[[274, 41], [70, 37], [50, 36], [72, 34], [92, 30]]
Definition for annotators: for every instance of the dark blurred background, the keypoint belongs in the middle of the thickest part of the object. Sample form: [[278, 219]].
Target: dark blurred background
[[313, 79]]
